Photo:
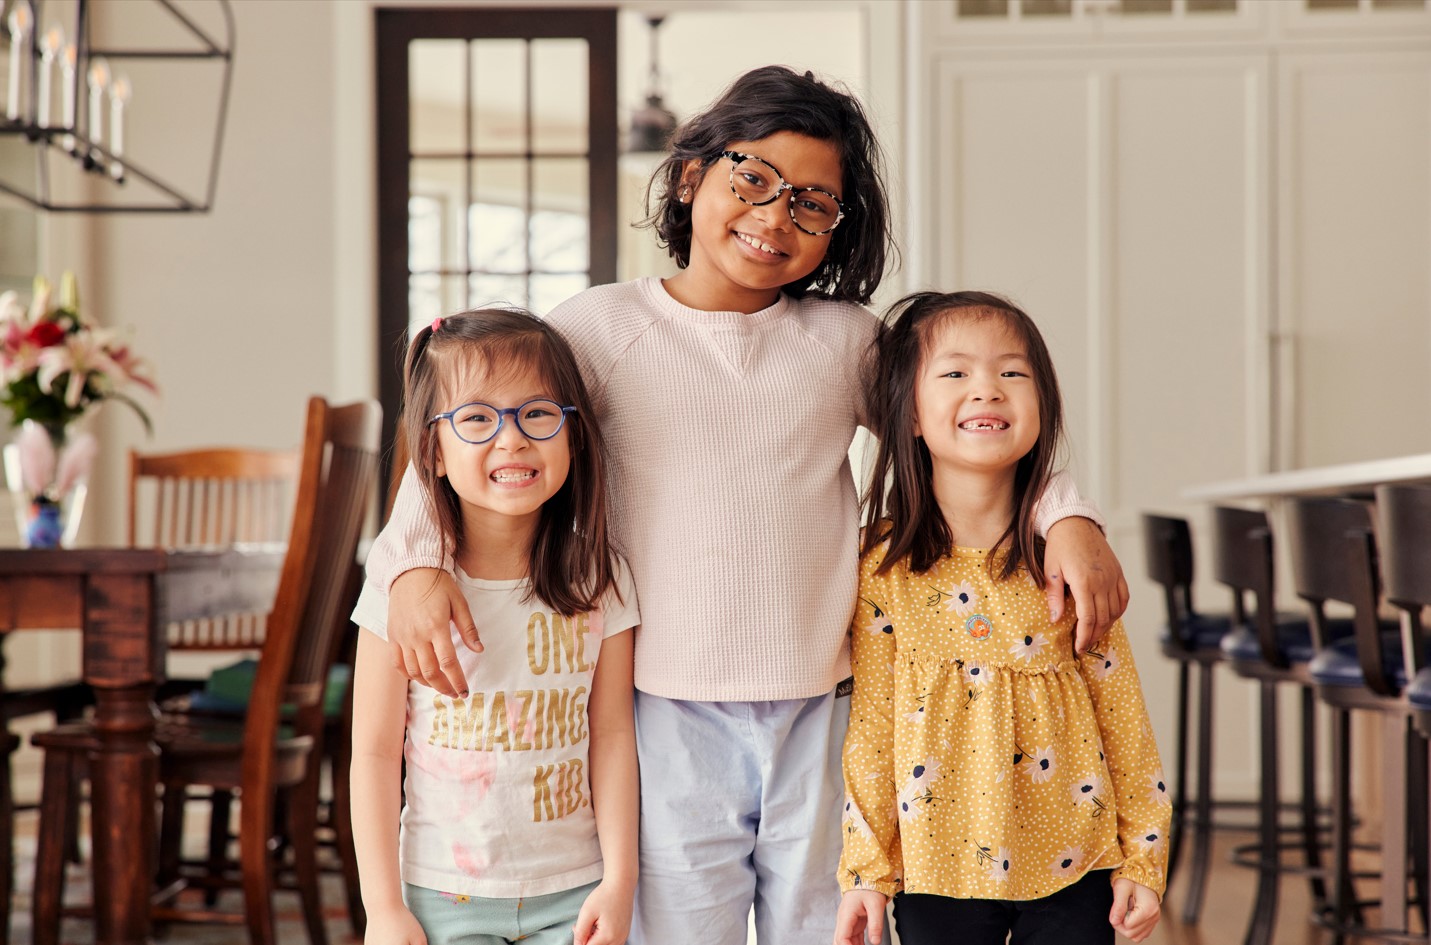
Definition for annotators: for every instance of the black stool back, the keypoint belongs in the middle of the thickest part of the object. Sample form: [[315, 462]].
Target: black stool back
[[1244, 563], [1403, 518], [1167, 545]]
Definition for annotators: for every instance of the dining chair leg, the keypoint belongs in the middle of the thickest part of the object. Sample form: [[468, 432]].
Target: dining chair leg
[[1264, 910], [171, 833], [220, 806], [1416, 822], [303, 828], [1202, 819], [56, 815], [256, 866], [1311, 837]]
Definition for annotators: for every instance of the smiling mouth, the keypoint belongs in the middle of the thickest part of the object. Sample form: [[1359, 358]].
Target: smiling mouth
[[759, 245], [513, 475], [983, 425]]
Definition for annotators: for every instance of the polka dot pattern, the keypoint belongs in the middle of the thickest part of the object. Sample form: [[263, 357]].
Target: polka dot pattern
[[984, 759]]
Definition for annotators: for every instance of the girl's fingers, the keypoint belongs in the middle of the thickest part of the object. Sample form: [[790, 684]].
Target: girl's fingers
[[1054, 591]]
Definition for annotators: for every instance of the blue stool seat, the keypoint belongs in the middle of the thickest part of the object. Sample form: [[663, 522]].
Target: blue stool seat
[[1294, 640], [1197, 632], [1418, 691], [1338, 664]]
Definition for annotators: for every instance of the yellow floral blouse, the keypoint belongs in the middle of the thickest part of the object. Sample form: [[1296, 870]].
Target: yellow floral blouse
[[983, 760]]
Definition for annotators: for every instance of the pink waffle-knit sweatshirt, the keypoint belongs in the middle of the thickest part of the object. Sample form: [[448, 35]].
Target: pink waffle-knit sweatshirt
[[730, 487]]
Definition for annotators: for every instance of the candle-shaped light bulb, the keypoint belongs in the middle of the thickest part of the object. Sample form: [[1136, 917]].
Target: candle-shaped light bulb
[[98, 84], [118, 98], [50, 47], [69, 93], [21, 21]]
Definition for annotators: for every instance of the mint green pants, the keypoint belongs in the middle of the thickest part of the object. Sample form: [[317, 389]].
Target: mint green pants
[[449, 919]]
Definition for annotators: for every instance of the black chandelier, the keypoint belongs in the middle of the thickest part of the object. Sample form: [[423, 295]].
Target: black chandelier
[[67, 97]]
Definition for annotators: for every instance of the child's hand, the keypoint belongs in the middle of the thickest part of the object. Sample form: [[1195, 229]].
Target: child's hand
[[1135, 909], [421, 604], [395, 926], [861, 912], [1078, 555], [605, 917]]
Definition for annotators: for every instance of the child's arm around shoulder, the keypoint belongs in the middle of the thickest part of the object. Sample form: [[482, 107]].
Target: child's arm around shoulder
[[1079, 556], [408, 563], [605, 917]]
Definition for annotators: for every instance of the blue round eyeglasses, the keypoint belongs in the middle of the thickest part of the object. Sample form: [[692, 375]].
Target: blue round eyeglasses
[[477, 423]]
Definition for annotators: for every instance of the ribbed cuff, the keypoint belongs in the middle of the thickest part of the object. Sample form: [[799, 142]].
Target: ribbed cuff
[[1046, 516], [401, 566]]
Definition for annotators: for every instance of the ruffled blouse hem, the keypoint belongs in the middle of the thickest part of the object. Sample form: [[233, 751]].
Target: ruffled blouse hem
[[993, 890]]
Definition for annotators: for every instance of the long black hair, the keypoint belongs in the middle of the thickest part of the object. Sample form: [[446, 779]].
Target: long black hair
[[908, 514], [761, 103]]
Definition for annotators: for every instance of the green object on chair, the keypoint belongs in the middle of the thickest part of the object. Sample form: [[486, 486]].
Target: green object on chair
[[228, 687]]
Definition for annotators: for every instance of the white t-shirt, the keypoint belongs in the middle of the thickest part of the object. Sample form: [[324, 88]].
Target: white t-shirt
[[497, 791]]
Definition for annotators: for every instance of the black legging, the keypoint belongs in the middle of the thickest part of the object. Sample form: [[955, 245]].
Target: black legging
[[1075, 915]]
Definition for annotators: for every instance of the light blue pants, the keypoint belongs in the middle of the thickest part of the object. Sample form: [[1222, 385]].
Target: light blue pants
[[469, 920], [740, 806]]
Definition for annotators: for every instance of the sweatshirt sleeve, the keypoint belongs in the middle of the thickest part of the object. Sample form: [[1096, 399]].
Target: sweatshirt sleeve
[[409, 540], [872, 857], [1061, 500], [1136, 772]]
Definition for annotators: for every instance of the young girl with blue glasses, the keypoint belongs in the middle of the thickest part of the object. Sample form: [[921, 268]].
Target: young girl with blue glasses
[[730, 394], [519, 806], [997, 782]]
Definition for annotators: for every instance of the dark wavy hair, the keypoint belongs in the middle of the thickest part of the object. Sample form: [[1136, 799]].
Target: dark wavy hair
[[761, 103], [571, 562], [907, 513]]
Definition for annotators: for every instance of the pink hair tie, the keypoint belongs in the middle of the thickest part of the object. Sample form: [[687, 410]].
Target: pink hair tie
[[437, 323]]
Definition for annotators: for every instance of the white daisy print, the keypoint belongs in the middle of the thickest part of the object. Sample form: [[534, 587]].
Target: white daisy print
[[916, 791], [960, 599], [1151, 842], [1000, 865], [1086, 790], [1041, 765], [853, 820], [1030, 646], [879, 622], [975, 673], [1066, 863], [1158, 789], [1105, 664]]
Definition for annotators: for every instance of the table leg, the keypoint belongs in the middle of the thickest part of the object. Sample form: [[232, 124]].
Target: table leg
[[124, 769], [122, 652]]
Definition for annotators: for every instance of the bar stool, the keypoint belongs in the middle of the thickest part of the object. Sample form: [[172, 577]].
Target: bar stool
[[1193, 640], [1403, 521], [1273, 649], [1328, 560]]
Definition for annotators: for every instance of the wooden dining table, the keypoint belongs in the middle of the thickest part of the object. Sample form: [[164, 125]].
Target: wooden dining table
[[122, 599]]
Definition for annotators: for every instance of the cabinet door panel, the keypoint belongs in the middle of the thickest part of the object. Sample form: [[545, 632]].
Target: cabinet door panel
[[1355, 214]]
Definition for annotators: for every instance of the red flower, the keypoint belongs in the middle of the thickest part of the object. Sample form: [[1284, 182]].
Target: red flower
[[46, 334]]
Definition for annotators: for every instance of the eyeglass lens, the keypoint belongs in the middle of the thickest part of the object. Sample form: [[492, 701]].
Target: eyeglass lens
[[478, 423], [756, 182]]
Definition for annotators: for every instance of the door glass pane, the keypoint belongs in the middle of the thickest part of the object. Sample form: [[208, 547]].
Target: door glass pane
[[429, 296], [550, 291], [559, 219], [1331, 4], [497, 219], [497, 290], [499, 112], [438, 189], [1212, 6], [559, 96], [435, 77], [1147, 6]]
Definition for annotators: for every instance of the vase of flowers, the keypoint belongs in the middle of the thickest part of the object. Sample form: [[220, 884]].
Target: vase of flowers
[[55, 368]]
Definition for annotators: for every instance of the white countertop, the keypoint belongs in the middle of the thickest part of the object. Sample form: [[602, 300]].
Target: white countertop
[[1327, 480]]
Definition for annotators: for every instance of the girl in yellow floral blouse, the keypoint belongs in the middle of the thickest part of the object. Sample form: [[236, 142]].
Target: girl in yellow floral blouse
[[997, 782]]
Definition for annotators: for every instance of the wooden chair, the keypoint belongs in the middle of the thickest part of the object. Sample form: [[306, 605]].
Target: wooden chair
[[276, 747]]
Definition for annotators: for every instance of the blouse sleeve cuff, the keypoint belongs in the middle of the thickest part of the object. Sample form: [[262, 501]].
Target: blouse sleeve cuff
[[400, 566], [1140, 871], [885, 887]]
